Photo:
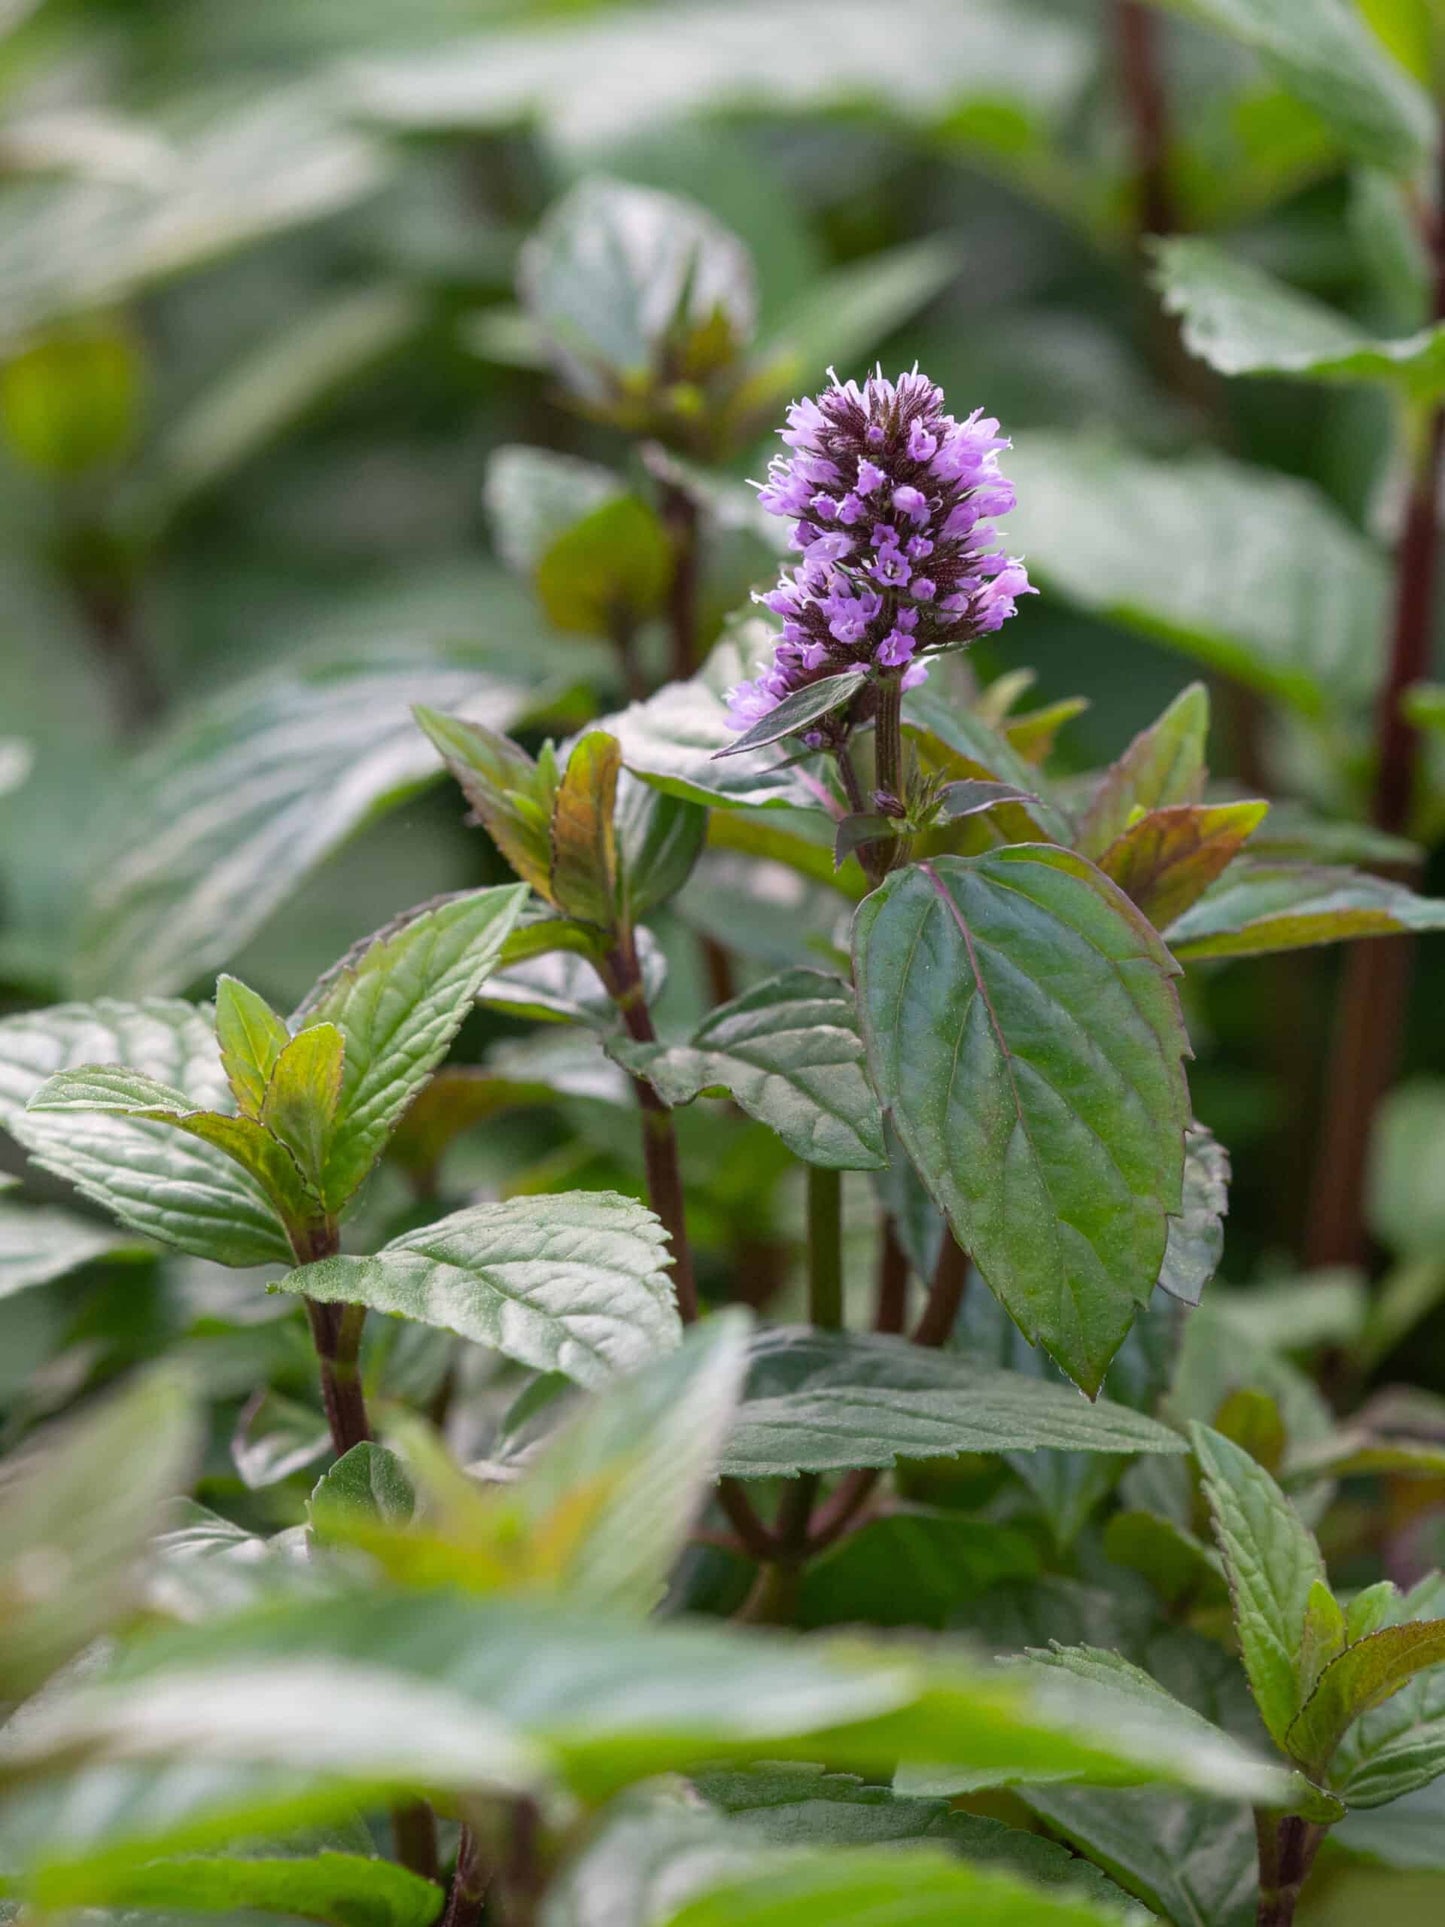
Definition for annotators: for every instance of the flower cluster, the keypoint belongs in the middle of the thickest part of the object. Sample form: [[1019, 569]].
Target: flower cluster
[[890, 500]]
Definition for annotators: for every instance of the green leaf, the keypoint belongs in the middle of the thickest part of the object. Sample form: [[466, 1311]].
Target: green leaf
[[276, 1436], [584, 867], [1196, 1233], [1023, 1031], [1272, 1563], [672, 740], [1407, 1170], [78, 1506], [1253, 574], [221, 820], [879, 1888], [1262, 907], [1193, 1861], [1322, 51], [351, 1890], [915, 1566], [511, 795], [303, 1093], [251, 1037], [164, 1184], [1362, 1677], [821, 1401], [111, 1089], [615, 273], [852, 309], [563, 984], [959, 745], [575, 1282], [1167, 859], [798, 712], [789, 1051], [1163, 765], [535, 495], [1243, 321], [1399, 1747], [369, 1483], [42, 1242], [1178, 1566], [659, 839], [607, 573], [398, 1001]]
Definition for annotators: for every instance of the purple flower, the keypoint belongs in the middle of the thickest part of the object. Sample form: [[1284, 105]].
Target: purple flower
[[880, 479]]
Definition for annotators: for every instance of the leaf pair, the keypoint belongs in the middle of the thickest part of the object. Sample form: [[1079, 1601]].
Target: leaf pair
[[314, 1108]]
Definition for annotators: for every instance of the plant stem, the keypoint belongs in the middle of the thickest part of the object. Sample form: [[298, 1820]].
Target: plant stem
[[891, 1306], [825, 1248], [1287, 1847], [469, 1884], [945, 1296], [680, 518], [773, 1600], [622, 975], [1374, 988], [888, 737], [1146, 111], [414, 1833]]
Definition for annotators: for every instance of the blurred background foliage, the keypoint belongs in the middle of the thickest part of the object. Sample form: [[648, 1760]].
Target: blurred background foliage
[[262, 335]]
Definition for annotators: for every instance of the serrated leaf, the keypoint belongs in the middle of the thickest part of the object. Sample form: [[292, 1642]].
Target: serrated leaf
[[1259, 908], [1399, 1747], [1322, 51], [821, 1401], [789, 1051], [878, 1888], [1359, 1679], [398, 1001], [1193, 1861], [303, 1093], [113, 1090], [166, 1185], [369, 1483], [797, 713], [510, 793], [1272, 1562], [1196, 1233], [672, 740], [1023, 1031], [659, 839], [584, 875], [1163, 765], [960, 746], [42, 1242], [575, 1282], [241, 799], [78, 1506], [1251, 573], [1243, 321], [251, 1038], [608, 572], [352, 1890], [1167, 859]]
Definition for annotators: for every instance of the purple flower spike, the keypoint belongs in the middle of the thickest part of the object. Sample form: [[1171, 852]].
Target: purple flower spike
[[906, 482]]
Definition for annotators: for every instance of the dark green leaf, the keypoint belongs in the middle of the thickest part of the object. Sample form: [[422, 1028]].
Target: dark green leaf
[[575, 1282], [1163, 765], [369, 1483], [913, 1567], [797, 713], [788, 1050], [608, 572], [1022, 1028], [1260, 907], [820, 1401], [1357, 1680], [1193, 1861], [398, 1001], [659, 839]]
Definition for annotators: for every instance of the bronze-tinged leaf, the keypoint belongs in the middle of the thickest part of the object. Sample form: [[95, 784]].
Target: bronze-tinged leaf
[[584, 876], [1164, 764], [509, 793], [1168, 858]]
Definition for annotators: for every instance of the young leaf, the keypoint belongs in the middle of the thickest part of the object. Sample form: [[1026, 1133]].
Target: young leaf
[[353, 1889], [1196, 1233], [1163, 765], [1323, 1641], [584, 869], [1323, 52], [1272, 1563], [575, 1282], [398, 1000], [1361, 1677], [162, 1183], [1399, 1747], [112, 1090], [251, 1037], [369, 1483], [78, 1506], [958, 745], [789, 1051], [821, 1402], [1022, 1028], [1168, 858], [1243, 321], [302, 1095], [608, 572], [797, 713], [511, 795], [1259, 908]]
